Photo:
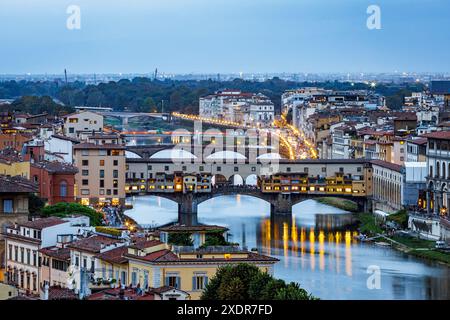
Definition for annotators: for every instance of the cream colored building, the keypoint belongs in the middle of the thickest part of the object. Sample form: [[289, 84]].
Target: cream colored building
[[77, 123], [101, 175]]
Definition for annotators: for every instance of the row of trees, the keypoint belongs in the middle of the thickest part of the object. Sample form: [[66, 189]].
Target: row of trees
[[144, 94]]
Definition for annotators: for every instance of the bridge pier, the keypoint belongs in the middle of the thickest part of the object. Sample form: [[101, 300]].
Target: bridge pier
[[124, 121], [282, 205], [187, 204]]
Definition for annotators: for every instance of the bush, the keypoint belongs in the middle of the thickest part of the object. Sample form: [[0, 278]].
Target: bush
[[400, 217], [110, 231], [180, 239], [247, 282], [64, 209]]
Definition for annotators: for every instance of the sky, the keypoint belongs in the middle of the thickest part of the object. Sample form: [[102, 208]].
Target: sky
[[224, 36]]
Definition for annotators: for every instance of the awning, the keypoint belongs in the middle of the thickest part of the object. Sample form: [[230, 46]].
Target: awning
[[381, 213]]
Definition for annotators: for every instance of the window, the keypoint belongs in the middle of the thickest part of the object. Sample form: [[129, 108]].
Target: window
[[236, 169], [288, 169], [219, 169], [8, 206], [115, 152], [102, 163], [102, 183], [102, 152], [77, 261], [115, 192], [116, 174], [201, 168], [115, 183], [116, 162], [184, 168], [149, 167], [358, 169], [253, 169], [85, 162], [199, 282], [73, 120], [84, 172], [166, 168], [102, 173], [134, 277], [85, 182], [341, 169], [172, 280], [84, 152], [63, 189], [85, 192], [305, 170], [71, 130]]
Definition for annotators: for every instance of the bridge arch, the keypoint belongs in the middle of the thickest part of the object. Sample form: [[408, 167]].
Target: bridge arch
[[251, 180], [219, 180], [236, 180]]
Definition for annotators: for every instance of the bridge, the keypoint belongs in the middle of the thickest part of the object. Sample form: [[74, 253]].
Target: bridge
[[125, 116], [283, 183]]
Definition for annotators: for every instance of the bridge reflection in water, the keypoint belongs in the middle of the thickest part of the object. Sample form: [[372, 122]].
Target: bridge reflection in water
[[327, 244]]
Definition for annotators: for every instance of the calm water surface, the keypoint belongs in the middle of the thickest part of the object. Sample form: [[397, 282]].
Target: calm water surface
[[315, 246]]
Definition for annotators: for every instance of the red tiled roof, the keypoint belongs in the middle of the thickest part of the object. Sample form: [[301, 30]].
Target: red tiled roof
[[42, 223], [389, 165], [98, 146], [114, 255], [93, 244], [56, 252], [16, 184], [56, 167], [120, 294], [197, 228], [444, 135]]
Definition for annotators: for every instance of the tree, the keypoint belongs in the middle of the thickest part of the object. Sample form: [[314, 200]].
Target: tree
[[35, 204], [247, 282], [180, 239], [63, 209]]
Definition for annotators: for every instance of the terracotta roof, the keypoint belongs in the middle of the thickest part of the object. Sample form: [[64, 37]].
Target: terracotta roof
[[56, 167], [145, 244], [443, 135], [389, 165], [120, 294], [114, 255], [16, 184], [58, 136], [42, 223], [93, 244], [58, 293], [56, 252], [97, 146], [419, 141]]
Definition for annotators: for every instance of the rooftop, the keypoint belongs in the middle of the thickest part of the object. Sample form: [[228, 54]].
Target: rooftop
[[197, 228], [93, 244], [388, 165], [56, 167], [16, 184], [56, 252], [42, 223], [443, 135]]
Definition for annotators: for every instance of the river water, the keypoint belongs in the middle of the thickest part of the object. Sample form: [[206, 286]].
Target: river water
[[315, 246]]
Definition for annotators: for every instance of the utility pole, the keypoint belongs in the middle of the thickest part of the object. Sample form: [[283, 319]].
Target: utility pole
[[65, 75]]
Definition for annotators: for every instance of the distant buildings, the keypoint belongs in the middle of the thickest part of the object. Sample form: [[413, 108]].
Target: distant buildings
[[237, 106]]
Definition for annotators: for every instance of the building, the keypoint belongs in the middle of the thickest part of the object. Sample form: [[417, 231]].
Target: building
[[84, 264], [56, 181], [23, 242], [101, 175], [14, 194], [12, 164], [237, 106], [54, 269], [82, 121], [8, 291], [155, 264], [416, 149], [162, 293], [14, 140], [387, 188], [438, 164], [62, 146]]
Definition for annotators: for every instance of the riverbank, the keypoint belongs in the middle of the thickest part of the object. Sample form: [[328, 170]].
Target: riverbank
[[417, 247], [339, 203]]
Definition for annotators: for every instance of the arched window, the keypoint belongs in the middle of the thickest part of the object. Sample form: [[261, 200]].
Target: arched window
[[63, 189], [438, 167], [431, 171], [443, 170]]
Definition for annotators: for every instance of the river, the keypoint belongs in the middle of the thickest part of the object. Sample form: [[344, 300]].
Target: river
[[315, 246]]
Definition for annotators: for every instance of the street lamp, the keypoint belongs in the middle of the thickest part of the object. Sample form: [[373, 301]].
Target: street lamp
[[443, 211]]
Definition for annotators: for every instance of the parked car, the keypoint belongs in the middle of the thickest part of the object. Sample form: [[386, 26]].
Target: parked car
[[440, 245]]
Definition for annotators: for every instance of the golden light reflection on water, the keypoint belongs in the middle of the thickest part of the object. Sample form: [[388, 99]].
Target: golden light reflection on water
[[309, 243]]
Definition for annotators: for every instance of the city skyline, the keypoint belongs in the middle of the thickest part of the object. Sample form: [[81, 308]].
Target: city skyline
[[224, 37]]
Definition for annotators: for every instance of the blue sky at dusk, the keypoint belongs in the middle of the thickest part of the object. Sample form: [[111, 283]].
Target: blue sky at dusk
[[210, 36]]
